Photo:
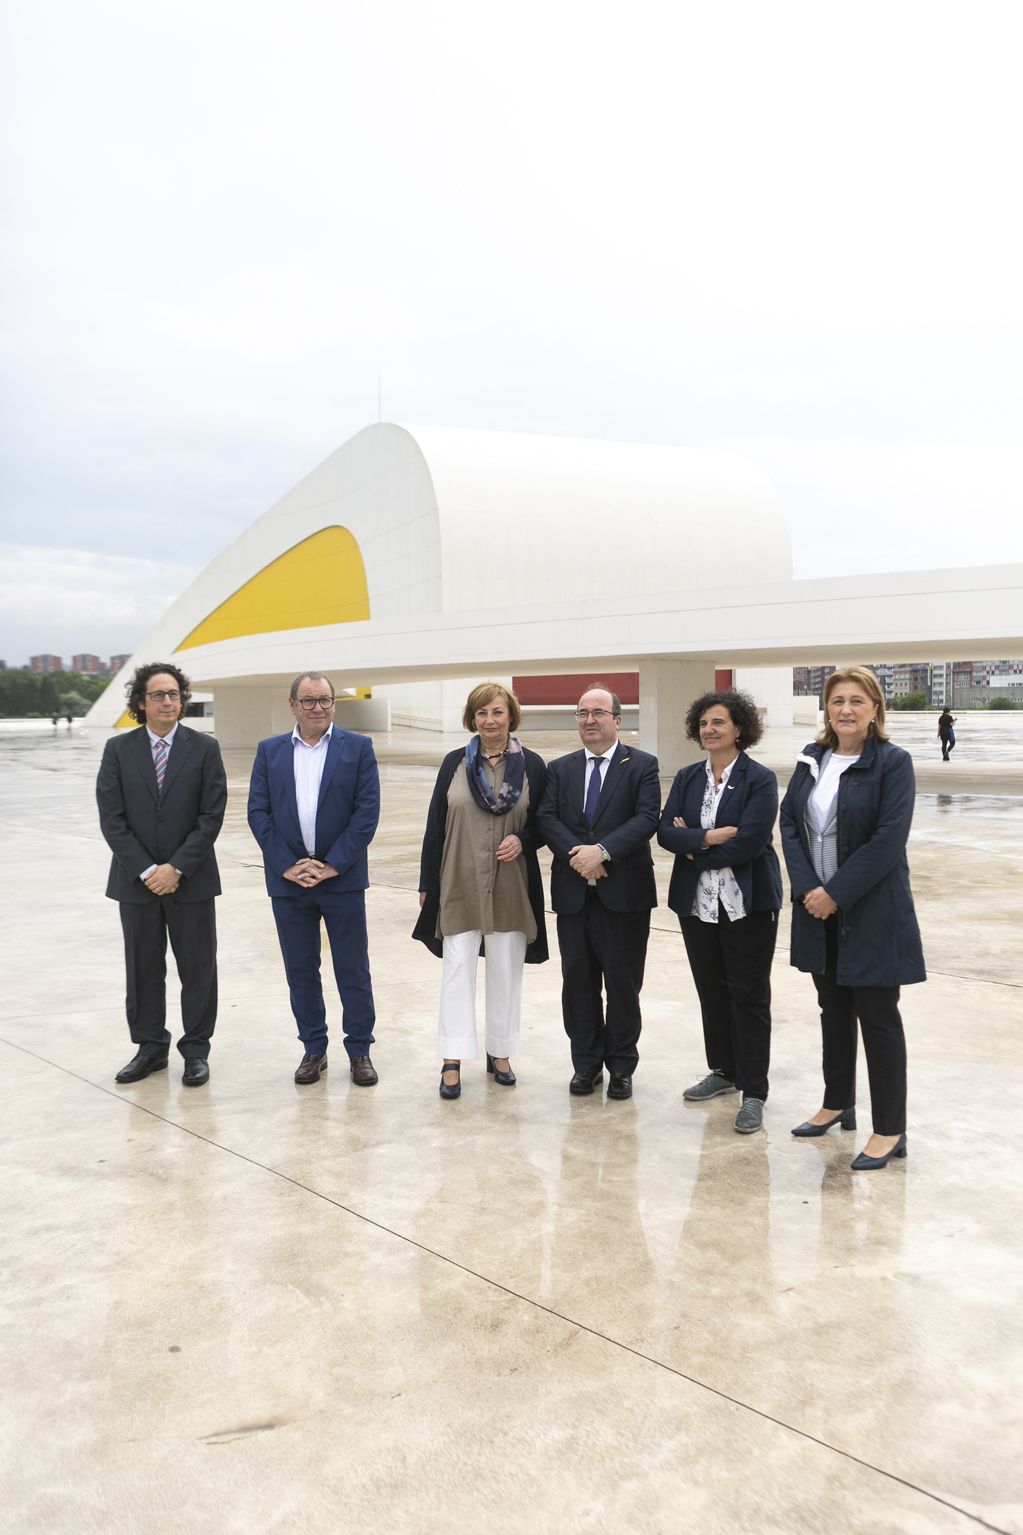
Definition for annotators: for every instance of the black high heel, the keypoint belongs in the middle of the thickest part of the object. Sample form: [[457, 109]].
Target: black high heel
[[503, 1078], [456, 1090], [865, 1164], [847, 1119]]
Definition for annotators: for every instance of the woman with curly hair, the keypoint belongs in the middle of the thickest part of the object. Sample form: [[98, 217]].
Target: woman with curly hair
[[726, 892], [479, 883]]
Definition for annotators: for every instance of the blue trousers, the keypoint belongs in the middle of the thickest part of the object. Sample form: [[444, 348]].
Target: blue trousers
[[298, 928]]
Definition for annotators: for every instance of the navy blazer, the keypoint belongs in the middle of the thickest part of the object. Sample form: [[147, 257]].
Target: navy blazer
[[347, 812], [750, 801], [178, 827], [626, 820], [878, 936]]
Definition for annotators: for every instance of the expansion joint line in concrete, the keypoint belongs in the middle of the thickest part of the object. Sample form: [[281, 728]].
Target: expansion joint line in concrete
[[526, 1300]]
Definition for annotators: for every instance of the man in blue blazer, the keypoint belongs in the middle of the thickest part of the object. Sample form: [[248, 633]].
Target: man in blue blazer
[[314, 804], [600, 809]]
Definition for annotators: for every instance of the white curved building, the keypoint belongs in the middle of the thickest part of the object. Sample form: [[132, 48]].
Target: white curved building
[[407, 529]]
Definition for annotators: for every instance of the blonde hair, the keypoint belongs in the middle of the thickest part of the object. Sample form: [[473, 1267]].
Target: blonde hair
[[865, 679], [485, 693]]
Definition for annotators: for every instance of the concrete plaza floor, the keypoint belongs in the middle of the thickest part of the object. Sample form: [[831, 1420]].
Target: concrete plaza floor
[[253, 1307]]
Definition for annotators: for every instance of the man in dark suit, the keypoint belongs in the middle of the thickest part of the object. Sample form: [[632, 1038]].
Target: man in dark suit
[[162, 793], [599, 811], [314, 804]]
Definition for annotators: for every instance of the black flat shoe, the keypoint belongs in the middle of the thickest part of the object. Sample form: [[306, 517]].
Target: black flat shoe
[[196, 1072], [620, 1085], [141, 1066], [847, 1119], [456, 1090], [865, 1164], [504, 1078]]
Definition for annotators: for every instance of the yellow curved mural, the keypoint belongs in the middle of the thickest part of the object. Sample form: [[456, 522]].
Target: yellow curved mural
[[322, 580]]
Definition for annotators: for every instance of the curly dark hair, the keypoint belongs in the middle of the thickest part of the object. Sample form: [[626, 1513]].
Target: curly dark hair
[[741, 708], [136, 688]]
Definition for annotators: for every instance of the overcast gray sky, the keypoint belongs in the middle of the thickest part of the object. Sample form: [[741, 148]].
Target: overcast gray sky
[[791, 230]]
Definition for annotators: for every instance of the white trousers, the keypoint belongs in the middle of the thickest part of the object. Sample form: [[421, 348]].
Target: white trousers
[[505, 956]]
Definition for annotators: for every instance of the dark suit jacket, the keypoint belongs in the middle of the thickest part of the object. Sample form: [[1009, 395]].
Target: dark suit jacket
[[346, 816], [179, 828], [627, 813], [750, 801], [878, 936]]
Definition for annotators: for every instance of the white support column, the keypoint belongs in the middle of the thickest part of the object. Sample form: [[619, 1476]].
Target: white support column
[[243, 716], [771, 689], [666, 689]]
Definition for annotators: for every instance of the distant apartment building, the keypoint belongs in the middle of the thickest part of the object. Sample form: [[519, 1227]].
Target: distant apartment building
[[808, 681], [89, 666], [45, 664], [960, 684], [116, 662]]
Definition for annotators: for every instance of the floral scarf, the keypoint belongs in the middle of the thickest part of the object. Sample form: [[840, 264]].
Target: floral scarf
[[479, 785]]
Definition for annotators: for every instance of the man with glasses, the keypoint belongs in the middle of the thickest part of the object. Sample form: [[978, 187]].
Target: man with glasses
[[600, 808], [162, 793], [314, 804]]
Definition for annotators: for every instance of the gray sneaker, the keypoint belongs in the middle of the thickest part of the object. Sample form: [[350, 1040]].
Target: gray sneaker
[[750, 1117], [709, 1087]]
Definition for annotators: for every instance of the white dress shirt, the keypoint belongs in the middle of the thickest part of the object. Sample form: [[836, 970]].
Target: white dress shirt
[[594, 765], [310, 761], [716, 884]]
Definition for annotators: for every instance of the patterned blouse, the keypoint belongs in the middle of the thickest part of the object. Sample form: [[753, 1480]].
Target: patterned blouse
[[716, 884]]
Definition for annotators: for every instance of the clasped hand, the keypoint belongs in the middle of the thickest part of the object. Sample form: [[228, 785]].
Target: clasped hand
[[164, 880], [588, 861], [819, 904], [308, 872]]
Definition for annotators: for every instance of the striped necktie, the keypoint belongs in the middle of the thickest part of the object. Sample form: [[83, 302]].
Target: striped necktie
[[160, 763]]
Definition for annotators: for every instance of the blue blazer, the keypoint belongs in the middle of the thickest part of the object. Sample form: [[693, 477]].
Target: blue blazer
[[750, 801], [346, 816]]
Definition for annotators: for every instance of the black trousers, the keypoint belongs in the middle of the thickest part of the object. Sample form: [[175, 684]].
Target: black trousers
[[731, 965], [192, 929], [884, 1043], [605, 951]]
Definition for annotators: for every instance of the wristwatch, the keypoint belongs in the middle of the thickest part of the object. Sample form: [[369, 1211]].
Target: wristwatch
[[605, 855]]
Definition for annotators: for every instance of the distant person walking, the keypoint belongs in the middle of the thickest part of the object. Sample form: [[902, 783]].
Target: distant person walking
[[946, 733]]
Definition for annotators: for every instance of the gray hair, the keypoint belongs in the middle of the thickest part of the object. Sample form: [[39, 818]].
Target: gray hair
[[313, 677]]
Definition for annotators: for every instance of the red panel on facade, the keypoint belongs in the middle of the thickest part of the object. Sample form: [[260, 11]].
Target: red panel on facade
[[568, 688]]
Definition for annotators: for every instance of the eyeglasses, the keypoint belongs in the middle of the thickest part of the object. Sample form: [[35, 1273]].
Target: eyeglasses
[[171, 695], [309, 704], [594, 714]]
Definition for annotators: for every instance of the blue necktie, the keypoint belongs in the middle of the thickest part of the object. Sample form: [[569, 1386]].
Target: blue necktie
[[593, 791]]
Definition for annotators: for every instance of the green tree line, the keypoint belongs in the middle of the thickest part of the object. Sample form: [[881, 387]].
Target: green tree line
[[32, 695]]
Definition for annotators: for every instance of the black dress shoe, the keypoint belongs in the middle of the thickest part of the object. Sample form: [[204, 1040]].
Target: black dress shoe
[[620, 1085], [364, 1073], [141, 1066], [310, 1067], [585, 1081], [196, 1071], [453, 1089]]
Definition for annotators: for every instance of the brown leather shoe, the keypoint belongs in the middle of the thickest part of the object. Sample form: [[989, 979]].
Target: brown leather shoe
[[363, 1071], [310, 1069]]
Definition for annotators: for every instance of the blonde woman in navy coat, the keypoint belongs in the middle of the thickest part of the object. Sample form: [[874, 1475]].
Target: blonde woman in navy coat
[[726, 892], [844, 827]]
